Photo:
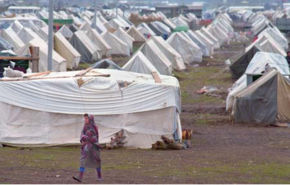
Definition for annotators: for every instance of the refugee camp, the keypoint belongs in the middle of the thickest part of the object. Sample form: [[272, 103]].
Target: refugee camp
[[144, 92]]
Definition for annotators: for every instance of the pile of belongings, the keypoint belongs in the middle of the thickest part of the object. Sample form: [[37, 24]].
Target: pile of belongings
[[118, 141], [186, 137], [167, 144]]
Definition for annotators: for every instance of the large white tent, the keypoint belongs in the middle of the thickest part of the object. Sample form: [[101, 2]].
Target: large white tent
[[84, 45], [118, 46], [189, 51], [144, 110], [140, 64], [156, 57], [66, 50], [174, 57]]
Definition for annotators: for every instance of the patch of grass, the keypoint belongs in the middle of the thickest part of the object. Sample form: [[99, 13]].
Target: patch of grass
[[196, 78], [123, 166], [83, 65]]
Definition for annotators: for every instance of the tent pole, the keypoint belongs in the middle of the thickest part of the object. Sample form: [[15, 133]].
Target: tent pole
[[50, 36]]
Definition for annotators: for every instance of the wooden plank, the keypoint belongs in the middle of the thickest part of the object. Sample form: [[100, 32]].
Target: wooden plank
[[156, 77], [82, 73], [17, 58], [35, 58]]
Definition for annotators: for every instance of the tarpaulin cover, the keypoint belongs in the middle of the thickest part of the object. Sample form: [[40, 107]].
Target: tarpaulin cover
[[258, 102], [239, 66]]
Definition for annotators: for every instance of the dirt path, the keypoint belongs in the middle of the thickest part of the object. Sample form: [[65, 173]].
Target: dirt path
[[221, 153]]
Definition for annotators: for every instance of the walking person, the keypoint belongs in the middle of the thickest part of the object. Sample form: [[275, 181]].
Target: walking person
[[90, 149]]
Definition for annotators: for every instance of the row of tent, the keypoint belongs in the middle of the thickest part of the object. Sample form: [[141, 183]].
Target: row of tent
[[255, 99], [90, 43], [269, 39]]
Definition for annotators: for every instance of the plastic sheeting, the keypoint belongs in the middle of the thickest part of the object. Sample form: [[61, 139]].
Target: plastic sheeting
[[118, 46], [67, 51], [189, 51], [173, 56], [139, 64], [156, 57]]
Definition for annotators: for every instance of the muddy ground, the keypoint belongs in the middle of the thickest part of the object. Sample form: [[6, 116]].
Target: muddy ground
[[222, 152]]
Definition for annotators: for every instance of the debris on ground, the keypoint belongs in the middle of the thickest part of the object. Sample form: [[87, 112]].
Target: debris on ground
[[228, 62], [284, 125], [207, 90], [118, 141], [168, 144]]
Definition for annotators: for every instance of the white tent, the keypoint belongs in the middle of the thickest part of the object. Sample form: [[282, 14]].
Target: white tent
[[98, 40], [199, 42], [26, 35], [66, 32], [134, 33], [189, 51], [84, 45], [156, 57], [210, 37], [118, 46], [12, 38], [256, 67], [205, 40], [100, 27], [85, 26], [59, 63], [139, 64], [173, 56], [16, 26], [266, 43], [66, 50], [125, 37], [144, 110], [145, 29]]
